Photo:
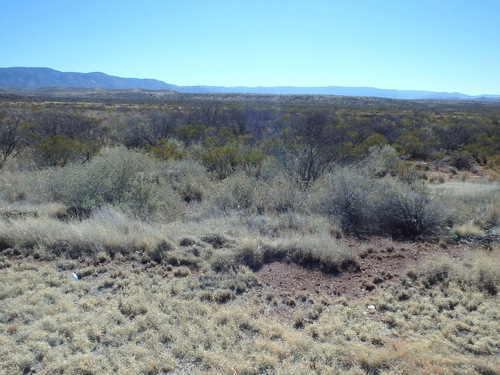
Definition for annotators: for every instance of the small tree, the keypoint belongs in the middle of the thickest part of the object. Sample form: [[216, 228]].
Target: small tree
[[191, 133], [57, 150], [12, 136], [59, 136], [313, 146], [226, 160], [168, 149]]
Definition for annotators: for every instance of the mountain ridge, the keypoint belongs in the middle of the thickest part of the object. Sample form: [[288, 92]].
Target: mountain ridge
[[33, 78]]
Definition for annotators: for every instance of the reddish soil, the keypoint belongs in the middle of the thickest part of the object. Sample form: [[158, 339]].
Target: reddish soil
[[381, 261]]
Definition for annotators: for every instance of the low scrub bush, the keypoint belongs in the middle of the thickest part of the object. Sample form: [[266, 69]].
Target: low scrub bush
[[288, 223], [406, 211], [279, 194], [24, 186], [244, 191], [126, 179], [188, 178], [237, 192], [461, 160], [363, 203], [344, 195]]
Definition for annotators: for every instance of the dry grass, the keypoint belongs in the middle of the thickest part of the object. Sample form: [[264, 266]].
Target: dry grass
[[172, 298], [472, 204], [181, 296], [467, 230], [106, 230], [122, 319]]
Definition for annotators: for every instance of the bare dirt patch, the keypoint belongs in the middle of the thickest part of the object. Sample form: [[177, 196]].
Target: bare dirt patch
[[381, 261]]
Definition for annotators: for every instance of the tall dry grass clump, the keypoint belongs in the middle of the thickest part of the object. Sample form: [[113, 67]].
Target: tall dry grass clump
[[476, 270], [105, 231], [474, 206], [318, 251]]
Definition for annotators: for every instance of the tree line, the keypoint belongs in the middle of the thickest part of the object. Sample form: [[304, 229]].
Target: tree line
[[305, 139]]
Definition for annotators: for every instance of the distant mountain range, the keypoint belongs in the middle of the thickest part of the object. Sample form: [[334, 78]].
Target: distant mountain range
[[32, 78]]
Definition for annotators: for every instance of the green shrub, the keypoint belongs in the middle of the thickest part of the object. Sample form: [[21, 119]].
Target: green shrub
[[493, 167], [225, 160], [417, 144], [236, 192], [126, 179], [168, 149], [190, 133], [59, 149]]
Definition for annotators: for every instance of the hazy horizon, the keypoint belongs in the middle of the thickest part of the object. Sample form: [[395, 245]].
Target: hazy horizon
[[443, 46]]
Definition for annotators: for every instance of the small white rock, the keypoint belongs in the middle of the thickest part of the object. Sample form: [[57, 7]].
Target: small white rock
[[371, 309], [74, 276]]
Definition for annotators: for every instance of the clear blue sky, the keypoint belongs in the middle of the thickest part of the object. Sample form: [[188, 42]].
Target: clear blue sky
[[437, 45]]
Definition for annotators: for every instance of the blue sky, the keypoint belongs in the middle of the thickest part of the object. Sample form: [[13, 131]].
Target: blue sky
[[437, 45]]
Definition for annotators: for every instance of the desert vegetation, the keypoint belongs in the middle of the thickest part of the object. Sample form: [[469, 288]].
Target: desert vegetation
[[233, 234]]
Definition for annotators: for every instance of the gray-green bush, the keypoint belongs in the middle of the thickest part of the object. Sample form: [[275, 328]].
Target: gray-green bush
[[406, 210], [344, 195], [188, 178], [360, 202], [278, 194], [236, 192], [382, 161], [125, 179]]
